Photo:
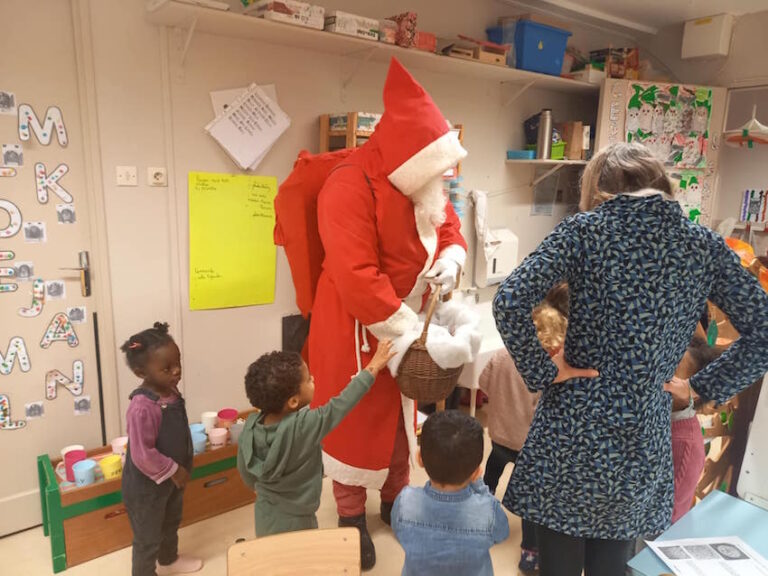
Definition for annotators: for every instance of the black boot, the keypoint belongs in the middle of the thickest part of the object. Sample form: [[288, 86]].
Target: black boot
[[386, 512], [367, 551]]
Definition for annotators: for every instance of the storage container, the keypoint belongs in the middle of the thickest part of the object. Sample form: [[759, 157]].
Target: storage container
[[540, 48], [521, 154], [352, 25], [289, 12], [90, 521]]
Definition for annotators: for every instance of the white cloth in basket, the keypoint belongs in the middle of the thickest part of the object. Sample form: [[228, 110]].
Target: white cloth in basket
[[453, 338]]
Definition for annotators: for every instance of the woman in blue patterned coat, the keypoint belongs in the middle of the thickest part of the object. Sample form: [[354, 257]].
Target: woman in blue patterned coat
[[596, 469]]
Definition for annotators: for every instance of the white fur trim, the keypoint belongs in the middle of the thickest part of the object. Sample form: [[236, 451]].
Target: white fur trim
[[454, 252], [401, 321], [352, 476], [409, 409], [432, 160]]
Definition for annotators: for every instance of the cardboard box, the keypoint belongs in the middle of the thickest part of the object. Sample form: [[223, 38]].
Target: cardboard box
[[426, 41], [586, 141], [572, 133], [289, 12], [352, 25], [589, 74]]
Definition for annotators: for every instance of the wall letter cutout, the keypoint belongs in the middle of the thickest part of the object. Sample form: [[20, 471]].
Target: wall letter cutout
[[6, 255], [15, 216], [60, 328], [54, 378], [53, 120], [45, 182], [16, 350], [5, 415], [38, 300]]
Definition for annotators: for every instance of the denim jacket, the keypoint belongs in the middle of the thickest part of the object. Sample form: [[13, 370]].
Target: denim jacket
[[448, 532]]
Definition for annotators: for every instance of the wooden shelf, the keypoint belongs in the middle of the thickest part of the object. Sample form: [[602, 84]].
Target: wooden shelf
[[540, 162], [230, 24]]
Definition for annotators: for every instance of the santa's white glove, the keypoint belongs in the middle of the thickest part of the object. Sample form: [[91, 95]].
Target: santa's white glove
[[443, 274]]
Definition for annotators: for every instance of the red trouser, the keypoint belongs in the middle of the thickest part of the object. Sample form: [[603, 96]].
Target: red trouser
[[350, 500]]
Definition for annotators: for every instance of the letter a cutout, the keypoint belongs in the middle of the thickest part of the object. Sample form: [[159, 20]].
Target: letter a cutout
[[60, 328]]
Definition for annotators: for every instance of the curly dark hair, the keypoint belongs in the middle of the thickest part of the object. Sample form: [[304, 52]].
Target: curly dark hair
[[451, 446], [272, 380], [137, 347]]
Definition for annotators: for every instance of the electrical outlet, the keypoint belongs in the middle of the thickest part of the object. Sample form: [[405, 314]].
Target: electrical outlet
[[126, 176], [157, 176]]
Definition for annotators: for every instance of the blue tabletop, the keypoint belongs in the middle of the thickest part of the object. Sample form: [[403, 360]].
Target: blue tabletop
[[717, 515]]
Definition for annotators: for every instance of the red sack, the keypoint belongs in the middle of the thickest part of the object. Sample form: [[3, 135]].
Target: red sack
[[296, 226]]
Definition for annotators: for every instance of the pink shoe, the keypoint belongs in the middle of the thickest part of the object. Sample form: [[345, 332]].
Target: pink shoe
[[183, 565]]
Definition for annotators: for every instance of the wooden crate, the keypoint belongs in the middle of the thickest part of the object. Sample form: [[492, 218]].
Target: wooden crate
[[91, 521]]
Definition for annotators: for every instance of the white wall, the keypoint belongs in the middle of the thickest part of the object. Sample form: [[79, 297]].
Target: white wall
[[145, 120]]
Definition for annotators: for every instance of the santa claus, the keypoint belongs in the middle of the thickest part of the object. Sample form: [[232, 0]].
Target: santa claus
[[389, 235]]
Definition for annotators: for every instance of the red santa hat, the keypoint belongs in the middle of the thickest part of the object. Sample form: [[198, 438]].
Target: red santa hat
[[414, 137]]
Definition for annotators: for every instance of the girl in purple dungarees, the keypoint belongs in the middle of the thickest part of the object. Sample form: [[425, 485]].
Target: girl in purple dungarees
[[159, 458]]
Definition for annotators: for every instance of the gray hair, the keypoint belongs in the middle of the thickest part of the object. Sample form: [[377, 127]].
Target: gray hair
[[622, 169]]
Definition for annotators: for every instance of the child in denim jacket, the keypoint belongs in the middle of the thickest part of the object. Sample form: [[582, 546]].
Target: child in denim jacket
[[449, 525]]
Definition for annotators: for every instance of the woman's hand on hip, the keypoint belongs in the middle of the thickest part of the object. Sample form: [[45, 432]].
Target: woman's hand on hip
[[567, 372], [680, 390]]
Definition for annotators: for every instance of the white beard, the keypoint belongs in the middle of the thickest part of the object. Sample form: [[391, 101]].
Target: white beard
[[429, 204]]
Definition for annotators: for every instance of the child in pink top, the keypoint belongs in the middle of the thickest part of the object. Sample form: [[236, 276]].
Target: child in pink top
[[159, 458], [687, 442]]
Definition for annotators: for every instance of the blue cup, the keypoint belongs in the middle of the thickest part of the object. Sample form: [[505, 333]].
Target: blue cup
[[198, 442], [85, 472], [197, 428]]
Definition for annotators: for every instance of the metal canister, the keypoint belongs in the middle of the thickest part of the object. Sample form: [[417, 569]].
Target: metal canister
[[544, 139]]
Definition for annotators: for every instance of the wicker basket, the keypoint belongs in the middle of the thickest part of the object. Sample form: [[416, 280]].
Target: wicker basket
[[419, 377]]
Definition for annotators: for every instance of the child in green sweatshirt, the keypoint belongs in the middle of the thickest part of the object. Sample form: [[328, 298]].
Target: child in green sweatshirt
[[279, 452]]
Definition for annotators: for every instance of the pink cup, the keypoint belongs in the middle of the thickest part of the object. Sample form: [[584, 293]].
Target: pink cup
[[227, 417], [70, 459], [218, 438]]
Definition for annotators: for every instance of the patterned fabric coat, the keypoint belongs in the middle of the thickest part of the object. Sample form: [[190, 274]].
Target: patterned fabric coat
[[597, 462]]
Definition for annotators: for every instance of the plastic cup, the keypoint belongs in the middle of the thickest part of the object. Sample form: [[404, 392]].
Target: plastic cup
[[70, 448], [111, 466], [209, 420], [198, 443], [84, 472], [235, 430], [71, 458], [218, 437], [120, 445], [197, 428], [227, 417]]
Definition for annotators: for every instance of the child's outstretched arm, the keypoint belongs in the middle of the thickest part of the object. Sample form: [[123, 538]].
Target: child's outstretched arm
[[319, 422]]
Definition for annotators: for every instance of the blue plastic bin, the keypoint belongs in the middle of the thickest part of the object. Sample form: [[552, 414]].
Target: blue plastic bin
[[504, 35], [540, 48]]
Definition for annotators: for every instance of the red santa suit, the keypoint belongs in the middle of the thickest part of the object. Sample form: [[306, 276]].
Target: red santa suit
[[384, 222]]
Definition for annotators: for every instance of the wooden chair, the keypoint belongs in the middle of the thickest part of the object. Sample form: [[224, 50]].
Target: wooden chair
[[307, 552]]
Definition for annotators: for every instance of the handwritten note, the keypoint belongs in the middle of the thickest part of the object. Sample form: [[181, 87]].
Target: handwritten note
[[231, 250]]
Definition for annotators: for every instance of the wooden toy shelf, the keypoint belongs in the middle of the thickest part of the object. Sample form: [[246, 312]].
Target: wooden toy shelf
[[88, 522]]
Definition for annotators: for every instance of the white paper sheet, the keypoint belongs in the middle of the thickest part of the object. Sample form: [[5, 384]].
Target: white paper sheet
[[249, 127], [727, 556]]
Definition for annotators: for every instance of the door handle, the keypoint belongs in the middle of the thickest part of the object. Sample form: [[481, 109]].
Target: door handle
[[85, 273]]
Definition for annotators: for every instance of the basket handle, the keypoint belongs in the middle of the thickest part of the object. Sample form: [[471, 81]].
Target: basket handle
[[430, 311]]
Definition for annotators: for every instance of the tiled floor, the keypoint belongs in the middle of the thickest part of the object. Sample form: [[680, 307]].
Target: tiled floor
[[28, 553]]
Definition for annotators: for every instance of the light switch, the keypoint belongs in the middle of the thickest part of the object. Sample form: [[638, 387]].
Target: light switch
[[126, 176]]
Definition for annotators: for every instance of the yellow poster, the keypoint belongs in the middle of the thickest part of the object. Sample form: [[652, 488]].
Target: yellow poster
[[231, 249]]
